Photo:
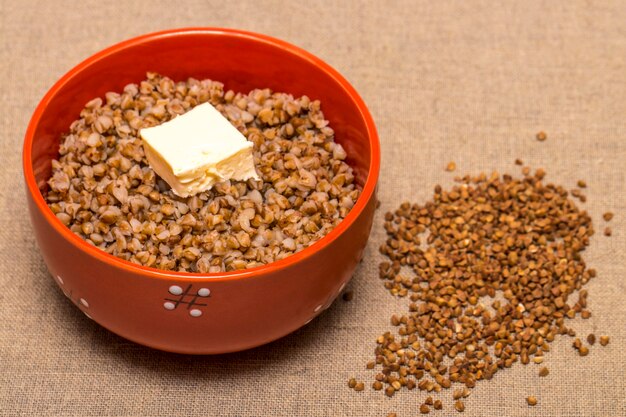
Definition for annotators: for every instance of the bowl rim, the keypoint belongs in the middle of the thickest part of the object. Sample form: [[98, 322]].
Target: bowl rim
[[367, 192]]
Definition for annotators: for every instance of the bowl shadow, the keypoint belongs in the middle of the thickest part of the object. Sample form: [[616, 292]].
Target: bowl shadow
[[111, 347]]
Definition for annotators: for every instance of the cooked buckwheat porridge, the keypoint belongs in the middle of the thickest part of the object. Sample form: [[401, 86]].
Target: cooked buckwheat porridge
[[103, 189]]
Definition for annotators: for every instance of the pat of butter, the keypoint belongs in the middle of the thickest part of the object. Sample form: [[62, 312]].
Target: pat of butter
[[198, 149]]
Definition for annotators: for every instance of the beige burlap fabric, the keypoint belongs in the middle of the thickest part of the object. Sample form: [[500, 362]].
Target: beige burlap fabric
[[465, 81]]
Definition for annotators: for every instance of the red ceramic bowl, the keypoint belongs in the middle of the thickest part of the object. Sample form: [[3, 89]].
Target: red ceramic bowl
[[203, 313]]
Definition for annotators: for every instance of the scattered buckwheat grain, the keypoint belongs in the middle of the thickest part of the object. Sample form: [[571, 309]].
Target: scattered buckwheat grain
[[492, 270]]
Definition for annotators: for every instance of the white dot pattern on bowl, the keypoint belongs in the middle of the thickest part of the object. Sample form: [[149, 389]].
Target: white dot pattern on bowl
[[187, 297], [84, 302], [317, 308], [175, 290], [60, 279]]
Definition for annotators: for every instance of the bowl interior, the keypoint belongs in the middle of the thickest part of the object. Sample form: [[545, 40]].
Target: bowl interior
[[241, 61]]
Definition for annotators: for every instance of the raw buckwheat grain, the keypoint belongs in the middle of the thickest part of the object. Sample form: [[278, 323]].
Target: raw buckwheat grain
[[492, 270]]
